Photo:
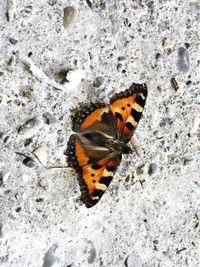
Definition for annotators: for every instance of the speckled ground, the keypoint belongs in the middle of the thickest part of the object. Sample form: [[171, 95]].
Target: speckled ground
[[56, 54]]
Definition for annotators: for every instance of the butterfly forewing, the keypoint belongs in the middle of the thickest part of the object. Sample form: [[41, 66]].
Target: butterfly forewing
[[127, 109]]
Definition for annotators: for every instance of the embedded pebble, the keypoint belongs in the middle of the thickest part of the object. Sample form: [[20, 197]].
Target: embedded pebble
[[30, 127], [1, 178], [28, 10], [41, 154], [4, 176], [174, 84], [11, 10], [69, 16], [3, 99], [168, 45], [133, 260], [96, 3], [48, 118], [183, 59], [98, 81], [50, 258], [195, 125], [152, 168], [12, 40], [27, 141], [26, 19], [187, 160], [52, 2], [29, 162], [92, 255], [1, 230], [28, 94], [6, 140], [113, 19], [140, 169]]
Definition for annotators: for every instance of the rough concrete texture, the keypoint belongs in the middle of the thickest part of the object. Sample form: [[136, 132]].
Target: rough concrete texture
[[56, 54]]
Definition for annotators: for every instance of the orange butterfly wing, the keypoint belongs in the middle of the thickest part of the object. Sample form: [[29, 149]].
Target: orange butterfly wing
[[127, 108], [94, 178]]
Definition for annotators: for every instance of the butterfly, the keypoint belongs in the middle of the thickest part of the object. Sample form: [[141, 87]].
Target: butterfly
[[102, 133]]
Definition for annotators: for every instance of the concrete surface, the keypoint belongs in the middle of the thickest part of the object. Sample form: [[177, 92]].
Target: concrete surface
[[56, 54]]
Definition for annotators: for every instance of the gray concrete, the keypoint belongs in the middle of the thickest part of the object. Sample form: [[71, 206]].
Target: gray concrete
[[56, 54]]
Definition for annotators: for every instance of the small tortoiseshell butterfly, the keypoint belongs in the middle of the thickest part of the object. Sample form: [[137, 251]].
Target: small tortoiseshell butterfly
[[102, 134]]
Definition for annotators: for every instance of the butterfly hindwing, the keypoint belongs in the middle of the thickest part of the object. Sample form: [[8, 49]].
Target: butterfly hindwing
[[94, 176], [127, 108]]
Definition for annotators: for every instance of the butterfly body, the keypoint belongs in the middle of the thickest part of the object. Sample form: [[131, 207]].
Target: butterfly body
[[102, 133]]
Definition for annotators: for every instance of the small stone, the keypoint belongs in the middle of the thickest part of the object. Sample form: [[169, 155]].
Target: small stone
[[1, 230], [30, 54], [187, 45], [3, 99], [27, 141], [113, 19], [11, 10], [140, 169], [133, 260], [50, 258], [152, 168], [69, 16], [12, 41], [41, 154], [168, 45], [96, 3], [92, 255], [52, 2], [28, 10], [26, 19], [41, 199], [18, 209], [195, 125], [48, 118], [128, 178], [4, 176], [30, 127], [187, 160], [183, 59], [122, 58], [6, 139], [28, 94], [177, 85], [98, 81], [29, 162], [119, 66], [1, 178], [158, 56]]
